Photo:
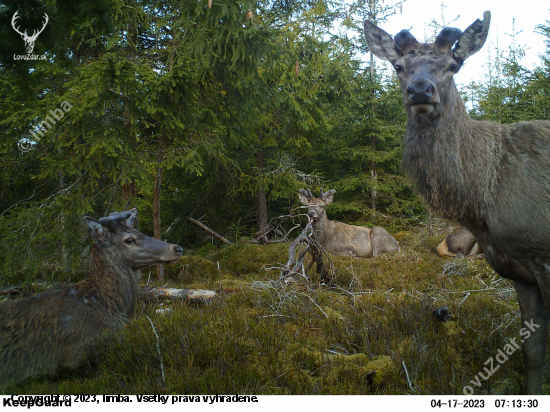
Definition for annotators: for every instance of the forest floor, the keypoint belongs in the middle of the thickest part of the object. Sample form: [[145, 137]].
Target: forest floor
[[372, 333]]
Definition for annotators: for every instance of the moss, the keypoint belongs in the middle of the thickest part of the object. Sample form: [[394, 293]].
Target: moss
[[358, 367], [431, 242], [309, 360], [332, 313], [404, 237], [383, 369]]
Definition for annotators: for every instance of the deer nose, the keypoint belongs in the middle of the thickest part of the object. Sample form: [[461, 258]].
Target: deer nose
[[311, 213], [420, 91], [178, 250]]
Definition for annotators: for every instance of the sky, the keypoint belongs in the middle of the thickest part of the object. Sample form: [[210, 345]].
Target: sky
[[417, 14]]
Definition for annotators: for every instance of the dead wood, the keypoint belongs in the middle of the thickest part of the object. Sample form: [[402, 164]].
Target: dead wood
[[204, 227], [191, 295], [307, 240], [277, 231]]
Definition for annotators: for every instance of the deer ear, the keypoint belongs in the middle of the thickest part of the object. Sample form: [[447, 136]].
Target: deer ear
[[132, 219], [381, 43], [473, 38], [96, 229], [329, 196], [303, 199]]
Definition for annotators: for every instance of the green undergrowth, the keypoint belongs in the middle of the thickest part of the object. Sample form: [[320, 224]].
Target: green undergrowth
[[374, 332]]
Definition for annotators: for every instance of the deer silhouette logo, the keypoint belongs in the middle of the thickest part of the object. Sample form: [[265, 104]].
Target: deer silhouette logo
[[29, 40]]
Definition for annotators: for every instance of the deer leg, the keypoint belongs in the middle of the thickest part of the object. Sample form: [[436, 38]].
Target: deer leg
[[374, 245], [534, 319], [375, 242]]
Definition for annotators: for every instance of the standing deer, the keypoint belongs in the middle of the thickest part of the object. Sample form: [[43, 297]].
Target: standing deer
[[54, 329], [493, 179], [460, 242], [342, 239]]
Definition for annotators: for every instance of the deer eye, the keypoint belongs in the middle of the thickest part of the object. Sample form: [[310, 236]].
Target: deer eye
[[398, 68], [452, 67], [130, 240]]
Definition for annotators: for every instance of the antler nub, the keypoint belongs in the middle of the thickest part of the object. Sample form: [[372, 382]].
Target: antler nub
[[324, 195], [404, 39], [114, 220], [447, 37], [307, 193]]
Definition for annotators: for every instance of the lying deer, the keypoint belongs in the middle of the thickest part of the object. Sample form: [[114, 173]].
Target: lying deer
[[54, 329], [491, 178], [460, 242], [342, 239]]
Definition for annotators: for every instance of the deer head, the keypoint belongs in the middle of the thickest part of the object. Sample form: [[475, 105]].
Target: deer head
[[316, 205], [116, 236], [426, 71], [29, 40]]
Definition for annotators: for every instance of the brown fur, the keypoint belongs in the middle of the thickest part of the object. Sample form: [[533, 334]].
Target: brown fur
[[459, 242], [41, 334], [342, 239], [490, 178]]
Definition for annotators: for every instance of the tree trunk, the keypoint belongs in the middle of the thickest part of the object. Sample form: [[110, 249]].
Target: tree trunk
[[372, 140], [372, 5], [262, 209], [260, 194], [129, 188], [156, 201], [373, 174], [65, 252], [128, 194], [64, 243]]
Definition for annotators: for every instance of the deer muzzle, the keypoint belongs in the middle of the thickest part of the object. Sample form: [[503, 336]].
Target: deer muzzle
[[421, 95], [173, 254]]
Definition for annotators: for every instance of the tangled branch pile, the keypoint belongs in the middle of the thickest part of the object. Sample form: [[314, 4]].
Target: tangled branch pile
[[275, 231], [305, 243]]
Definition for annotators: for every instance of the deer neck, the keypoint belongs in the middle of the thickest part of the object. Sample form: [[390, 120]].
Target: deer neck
[[453, 161], [323, 228], [111, 283]]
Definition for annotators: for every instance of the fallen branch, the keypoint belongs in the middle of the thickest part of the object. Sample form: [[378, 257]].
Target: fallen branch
[[407, 374], [204, 227], [191, 295], [315, 303]]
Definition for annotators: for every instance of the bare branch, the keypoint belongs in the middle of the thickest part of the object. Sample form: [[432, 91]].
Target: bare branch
[[295, 262], [206, 228]]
